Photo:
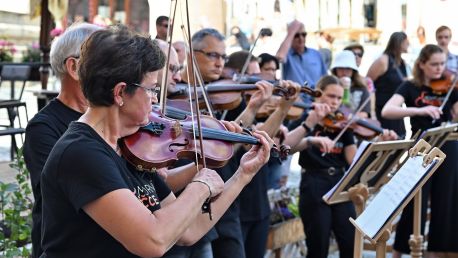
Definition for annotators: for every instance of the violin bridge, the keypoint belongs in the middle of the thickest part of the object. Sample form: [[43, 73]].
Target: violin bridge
[[176, 129]]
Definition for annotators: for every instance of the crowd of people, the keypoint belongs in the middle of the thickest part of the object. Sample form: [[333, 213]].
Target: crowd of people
[[91, 201]]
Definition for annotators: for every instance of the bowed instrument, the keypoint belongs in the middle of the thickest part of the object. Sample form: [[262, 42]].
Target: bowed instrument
[[165, 140]]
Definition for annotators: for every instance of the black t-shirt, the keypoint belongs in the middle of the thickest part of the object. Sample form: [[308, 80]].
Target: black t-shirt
[[415, 96], [42, 132], [311, 158], [81, 168]]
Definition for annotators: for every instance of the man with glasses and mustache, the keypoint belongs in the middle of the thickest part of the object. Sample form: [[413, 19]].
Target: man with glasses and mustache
[[300, 63], [210, 55], [162, 25]]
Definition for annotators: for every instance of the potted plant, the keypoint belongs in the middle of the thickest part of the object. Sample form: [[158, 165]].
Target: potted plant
[[7, 51], [16, 213]]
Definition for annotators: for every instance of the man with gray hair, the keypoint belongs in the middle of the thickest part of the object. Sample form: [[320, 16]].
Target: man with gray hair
[[210, 53], [48, 125]]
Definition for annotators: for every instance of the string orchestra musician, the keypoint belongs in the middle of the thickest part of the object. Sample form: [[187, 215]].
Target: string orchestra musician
[[324, 158], [423, 102], [320, 173], [101, 205], [50, 123]]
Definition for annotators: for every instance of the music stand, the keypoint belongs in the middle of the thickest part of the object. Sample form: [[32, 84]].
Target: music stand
[[436, 137], [376, 220], [368, 173]]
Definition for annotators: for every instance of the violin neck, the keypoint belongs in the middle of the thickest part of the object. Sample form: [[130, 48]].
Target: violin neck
[[368, 125], [214, 134], [302, 105], [230, 88]]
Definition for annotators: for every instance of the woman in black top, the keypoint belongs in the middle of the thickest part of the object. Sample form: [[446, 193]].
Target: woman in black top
[[387, 73], [423, 108], [95, 204], [320, 173]]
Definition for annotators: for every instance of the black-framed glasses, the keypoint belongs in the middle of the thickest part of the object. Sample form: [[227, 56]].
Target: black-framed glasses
[[299, 34], [165, 25], [213, 55], [174, 69], [74, 57], [152, 92]]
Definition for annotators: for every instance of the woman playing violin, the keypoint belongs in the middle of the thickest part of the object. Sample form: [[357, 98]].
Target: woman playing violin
[[422, 101], [100, 206], [320, 173]]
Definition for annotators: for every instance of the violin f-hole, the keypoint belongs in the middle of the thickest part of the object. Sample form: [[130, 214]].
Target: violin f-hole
[[178, 144]]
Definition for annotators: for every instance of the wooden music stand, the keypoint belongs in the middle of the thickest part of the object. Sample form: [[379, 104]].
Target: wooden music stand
[[376, 220], [452, 136], [436, 137], [366, 175]]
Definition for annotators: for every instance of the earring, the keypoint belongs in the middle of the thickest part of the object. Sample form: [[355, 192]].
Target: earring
[[121, 103]]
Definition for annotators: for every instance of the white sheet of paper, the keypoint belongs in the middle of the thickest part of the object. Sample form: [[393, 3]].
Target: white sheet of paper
[[391, 196]]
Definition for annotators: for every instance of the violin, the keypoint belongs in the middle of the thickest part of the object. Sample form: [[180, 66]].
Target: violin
[[366, 129], [164, 140], [258, 77], [294, 113], [226, 95], [442, 85]]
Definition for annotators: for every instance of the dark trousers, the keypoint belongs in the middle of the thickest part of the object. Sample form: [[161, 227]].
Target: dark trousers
[[255, 237], [229, 243], [320, 219]]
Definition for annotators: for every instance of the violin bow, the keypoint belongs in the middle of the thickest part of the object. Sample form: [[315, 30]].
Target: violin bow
[[198, 75], [206, 207], [449, 93], [352, 120], [164, 85], [247, 60]]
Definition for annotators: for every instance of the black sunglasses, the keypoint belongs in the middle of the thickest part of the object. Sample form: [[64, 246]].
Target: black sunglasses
[[303, 34], [358, 54]]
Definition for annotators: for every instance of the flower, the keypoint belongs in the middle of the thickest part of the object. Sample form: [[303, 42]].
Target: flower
[[32, 53], [56, 32], [7, 51]]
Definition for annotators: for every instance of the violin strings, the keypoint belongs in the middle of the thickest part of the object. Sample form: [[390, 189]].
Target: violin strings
[[210, 132], [189, 89]]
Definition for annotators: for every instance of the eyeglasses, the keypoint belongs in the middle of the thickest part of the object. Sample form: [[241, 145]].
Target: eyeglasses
[[174, 69], [74, 57], [165, 25], [213, 55], [152, 92], [358, 54], [303, 34]]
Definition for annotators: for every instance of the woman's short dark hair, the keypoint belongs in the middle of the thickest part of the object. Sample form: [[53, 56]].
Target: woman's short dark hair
[[265, 58], [115, 55], [237, 59]]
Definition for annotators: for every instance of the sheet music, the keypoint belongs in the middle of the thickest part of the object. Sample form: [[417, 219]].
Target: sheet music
[[392, 195], [362, 147]]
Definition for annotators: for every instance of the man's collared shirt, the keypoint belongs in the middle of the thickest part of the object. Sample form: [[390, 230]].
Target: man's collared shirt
[[306, 67], [452, 62]]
